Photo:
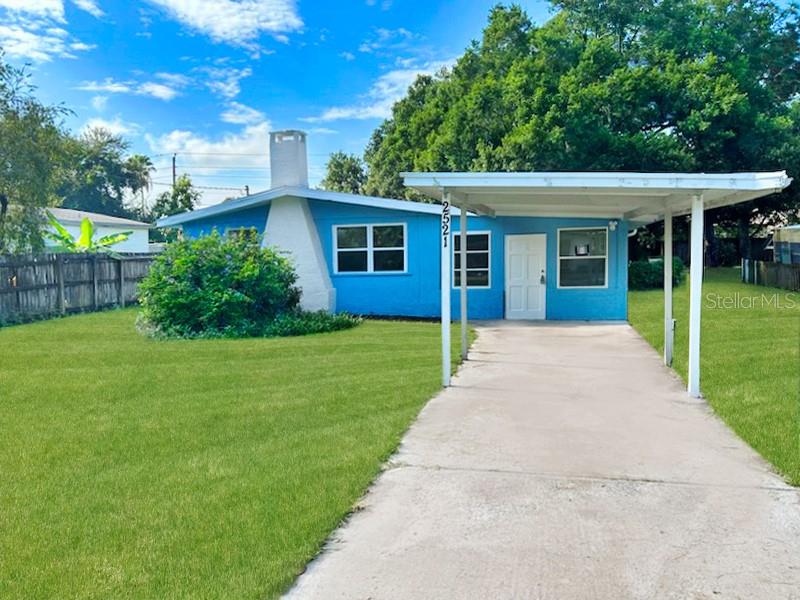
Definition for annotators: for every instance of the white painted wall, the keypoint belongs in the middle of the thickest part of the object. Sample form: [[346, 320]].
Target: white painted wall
[[137, 242], [291, 229]]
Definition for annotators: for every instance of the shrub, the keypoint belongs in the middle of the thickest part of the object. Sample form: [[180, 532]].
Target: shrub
[[226, 287], [302, 323], [646, 275], [216, 287]]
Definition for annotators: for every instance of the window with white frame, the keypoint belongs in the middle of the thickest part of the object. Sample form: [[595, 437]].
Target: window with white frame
[[478, 259], [379, 248], [583, 257]]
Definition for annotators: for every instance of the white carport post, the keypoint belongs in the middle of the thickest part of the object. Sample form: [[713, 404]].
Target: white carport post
[[445, 282], [669, 328], [463, 276], [695, 294]]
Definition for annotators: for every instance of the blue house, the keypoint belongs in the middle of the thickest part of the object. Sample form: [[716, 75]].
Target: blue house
[[378, 256], [528, 245]]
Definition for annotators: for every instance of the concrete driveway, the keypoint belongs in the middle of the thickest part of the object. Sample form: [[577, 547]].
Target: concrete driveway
[[566, 462]]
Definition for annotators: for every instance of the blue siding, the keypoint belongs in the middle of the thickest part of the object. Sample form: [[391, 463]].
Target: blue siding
[[609, 303], [249, 217], [416, 293]]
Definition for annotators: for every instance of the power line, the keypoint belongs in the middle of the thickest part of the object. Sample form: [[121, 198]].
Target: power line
[[200, 187], [262, 154], [219, 168]]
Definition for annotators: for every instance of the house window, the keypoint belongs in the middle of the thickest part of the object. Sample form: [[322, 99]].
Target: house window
[[370, 248], [582, 257], [478, 259]]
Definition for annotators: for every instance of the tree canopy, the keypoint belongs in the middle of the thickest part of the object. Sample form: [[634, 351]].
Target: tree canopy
[[30, 168], [99, 174], [345, 173], [669, 85]]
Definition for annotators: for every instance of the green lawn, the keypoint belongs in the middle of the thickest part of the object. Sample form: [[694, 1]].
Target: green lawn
[[132, 468], [750, 359]]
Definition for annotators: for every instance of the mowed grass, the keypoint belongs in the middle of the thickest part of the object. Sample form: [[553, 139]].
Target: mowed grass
[[132, 468], [750, 358]]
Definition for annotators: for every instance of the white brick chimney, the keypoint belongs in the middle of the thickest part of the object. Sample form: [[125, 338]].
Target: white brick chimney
[[288, 161], [290, 224]]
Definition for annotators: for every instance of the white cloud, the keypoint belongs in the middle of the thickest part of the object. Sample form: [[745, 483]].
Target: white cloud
[[231, 150], [387, 39], [246, 149], [30, 30], [90, 6], [237, 22], [347, 55], [148, 88], [29, 43], [53, 9], [225, 81], [322, 131], [174, 79], [108, 85], [115, 126], [157, 90], [82, 47], [378, 101], [241, 114], [99, 103]]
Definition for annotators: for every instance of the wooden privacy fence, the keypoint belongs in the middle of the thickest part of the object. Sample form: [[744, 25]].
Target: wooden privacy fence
[[771, 274], [42, 285]]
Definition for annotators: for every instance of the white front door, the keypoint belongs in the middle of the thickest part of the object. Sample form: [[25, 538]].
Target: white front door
[[526, 273]]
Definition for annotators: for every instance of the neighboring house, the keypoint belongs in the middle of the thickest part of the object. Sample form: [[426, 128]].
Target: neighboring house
[[104, 225], [786, 244]]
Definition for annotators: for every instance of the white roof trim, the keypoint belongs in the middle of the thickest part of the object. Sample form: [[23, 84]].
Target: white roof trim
[[263, 198], [73, 216], [638, 197]]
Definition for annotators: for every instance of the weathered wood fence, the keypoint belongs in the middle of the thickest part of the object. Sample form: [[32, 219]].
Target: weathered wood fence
[[771, 274], [42, 285]]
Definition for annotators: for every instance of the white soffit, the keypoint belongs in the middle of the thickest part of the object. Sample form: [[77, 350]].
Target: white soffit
[[638, 197]]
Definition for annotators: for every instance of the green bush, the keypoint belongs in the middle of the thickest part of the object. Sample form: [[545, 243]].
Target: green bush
[[225, 287], [302, 323], [646, 275]]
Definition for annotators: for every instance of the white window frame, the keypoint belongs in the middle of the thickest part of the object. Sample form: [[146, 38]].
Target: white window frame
[[559, 258], [488, 268], [370, 249]]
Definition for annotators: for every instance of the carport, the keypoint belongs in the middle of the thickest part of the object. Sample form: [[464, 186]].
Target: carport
[[637, 198]]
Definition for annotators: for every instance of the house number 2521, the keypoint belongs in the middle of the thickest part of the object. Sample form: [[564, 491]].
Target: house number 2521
[[445, 223]]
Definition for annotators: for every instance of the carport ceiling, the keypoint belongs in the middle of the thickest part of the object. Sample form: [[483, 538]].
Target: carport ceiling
[[638, 197]]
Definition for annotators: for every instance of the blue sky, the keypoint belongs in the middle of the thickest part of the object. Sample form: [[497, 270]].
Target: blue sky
[[209, 78]]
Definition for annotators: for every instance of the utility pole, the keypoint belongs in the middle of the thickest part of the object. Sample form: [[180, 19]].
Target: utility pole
[[174, 172], [247, 190]]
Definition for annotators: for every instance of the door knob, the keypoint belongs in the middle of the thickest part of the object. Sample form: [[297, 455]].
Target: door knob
[[542, 279]]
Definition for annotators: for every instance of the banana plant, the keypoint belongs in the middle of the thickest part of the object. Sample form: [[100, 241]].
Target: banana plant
[[85, 242]]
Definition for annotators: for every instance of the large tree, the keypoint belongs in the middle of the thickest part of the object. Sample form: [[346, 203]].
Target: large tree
[[673, 85], [182, 197], [30, 160], [345, 173], [99, 178], [140, 170]]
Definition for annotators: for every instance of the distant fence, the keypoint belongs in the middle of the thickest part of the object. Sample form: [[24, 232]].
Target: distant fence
[[44, 285], [771, 274]]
